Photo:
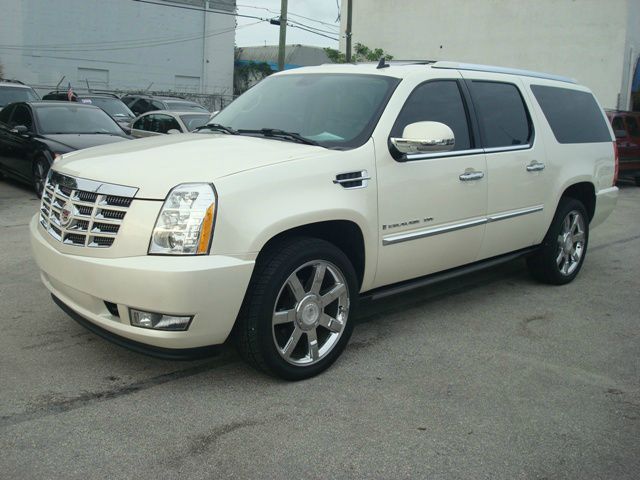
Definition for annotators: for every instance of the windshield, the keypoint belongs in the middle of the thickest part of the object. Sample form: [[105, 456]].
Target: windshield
[[335, 110], [194, 121], [112, 106], [16, 94], [74, 119], [184, 106]]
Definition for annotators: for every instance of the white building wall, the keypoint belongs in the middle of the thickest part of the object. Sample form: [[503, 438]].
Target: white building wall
[[584, 39], [130, 44]]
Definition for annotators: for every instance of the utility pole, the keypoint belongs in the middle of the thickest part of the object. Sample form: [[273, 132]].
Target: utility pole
[[283, 34], [348, 31]]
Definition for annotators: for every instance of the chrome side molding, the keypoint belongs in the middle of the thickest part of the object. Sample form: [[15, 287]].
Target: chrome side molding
[[429, 232]]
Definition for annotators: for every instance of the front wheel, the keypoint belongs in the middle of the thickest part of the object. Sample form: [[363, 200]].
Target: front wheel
[[40, 170], [297, 315], [564, 248]]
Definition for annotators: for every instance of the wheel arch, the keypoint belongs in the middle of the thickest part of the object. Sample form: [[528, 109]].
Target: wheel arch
[[585, 193], [346, 235]]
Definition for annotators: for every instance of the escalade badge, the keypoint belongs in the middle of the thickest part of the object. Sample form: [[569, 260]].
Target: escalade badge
[[66, 214]]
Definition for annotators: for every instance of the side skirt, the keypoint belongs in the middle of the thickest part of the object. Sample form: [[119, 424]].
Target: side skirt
[[419, 282]]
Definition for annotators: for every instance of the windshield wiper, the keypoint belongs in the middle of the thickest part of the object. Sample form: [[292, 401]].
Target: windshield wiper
[[218, 127], [277, 133]]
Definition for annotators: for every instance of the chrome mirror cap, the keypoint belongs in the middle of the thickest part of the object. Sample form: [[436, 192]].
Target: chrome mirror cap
[[425, 137]]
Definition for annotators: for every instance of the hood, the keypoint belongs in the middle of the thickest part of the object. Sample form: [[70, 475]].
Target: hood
[[76, 141], [157, 164]]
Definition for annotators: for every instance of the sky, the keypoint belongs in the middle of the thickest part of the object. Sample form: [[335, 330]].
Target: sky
[[319, 10]]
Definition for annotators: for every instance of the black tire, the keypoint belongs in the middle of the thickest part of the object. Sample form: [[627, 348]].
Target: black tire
[[544, 265], [40, 169], [255, 333], [637, 181]]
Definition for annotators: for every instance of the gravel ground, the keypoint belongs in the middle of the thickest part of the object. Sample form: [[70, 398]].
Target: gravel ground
[[492, 376]]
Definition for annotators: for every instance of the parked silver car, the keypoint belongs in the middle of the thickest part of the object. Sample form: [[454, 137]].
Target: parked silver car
[[162, 122]]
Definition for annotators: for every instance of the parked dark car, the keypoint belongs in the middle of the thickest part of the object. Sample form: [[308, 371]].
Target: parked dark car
[[626, 127], [15, 91], [108, 102], [140, 104], [33, 134]]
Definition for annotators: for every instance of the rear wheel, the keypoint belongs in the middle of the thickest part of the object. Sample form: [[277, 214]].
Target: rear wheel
[[562, 253], [637, 180], [40, 171], [297, 315]]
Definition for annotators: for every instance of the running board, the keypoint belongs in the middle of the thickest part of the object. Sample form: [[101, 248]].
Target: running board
[[408, 285]]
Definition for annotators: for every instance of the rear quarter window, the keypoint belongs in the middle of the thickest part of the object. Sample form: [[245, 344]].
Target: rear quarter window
[[574, 116]]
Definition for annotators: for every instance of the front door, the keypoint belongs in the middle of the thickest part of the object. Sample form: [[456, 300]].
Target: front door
[[431, 207]]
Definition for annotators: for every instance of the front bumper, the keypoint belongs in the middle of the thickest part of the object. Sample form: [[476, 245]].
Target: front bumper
[[211, 288]]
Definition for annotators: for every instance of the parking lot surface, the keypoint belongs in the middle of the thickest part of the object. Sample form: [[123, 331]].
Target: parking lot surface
[[489, 376]]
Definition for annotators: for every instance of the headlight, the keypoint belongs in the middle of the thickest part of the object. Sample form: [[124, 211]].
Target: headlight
[[185, 223]]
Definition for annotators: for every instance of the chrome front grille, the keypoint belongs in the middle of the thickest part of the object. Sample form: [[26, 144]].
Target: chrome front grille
[[84, 213]]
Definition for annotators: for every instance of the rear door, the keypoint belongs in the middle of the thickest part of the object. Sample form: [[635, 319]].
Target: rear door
[[519, 180]]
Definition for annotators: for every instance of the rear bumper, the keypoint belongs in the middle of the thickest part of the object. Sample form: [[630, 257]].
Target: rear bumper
[[209, 288], [606, 200]]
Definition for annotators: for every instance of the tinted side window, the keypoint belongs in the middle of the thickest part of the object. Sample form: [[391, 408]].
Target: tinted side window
[[632, 126], [22, 116], [438, 101], [574, 116], [165, 123], [141, 106], [503, 117], [618, 127], [5, 114], [140, 123]]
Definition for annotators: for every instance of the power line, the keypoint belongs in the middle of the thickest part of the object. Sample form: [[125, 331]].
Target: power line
[[208, 10], [311, 31], [289, 14], [313, 28], [131, 47], [231, 14]]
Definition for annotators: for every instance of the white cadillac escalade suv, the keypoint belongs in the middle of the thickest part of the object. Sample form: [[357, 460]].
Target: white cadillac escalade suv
[[317, 187]]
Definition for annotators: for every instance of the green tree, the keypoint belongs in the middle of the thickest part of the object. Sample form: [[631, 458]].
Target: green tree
[[361, 53]]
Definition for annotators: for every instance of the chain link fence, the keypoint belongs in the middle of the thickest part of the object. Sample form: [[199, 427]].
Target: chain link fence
[[211, 101]]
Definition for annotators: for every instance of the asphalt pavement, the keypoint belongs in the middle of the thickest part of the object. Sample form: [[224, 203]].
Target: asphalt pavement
[[491, 376]]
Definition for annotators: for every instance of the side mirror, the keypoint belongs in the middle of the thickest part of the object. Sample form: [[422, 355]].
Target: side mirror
[[425, 137], [21, 130], [173, 130]]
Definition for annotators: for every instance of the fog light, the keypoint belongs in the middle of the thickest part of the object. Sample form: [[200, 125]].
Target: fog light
[[158, 321]]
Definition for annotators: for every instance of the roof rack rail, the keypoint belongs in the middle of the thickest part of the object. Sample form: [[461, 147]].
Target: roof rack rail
[[11, 80], [494, 69], [102, 92], [400, 61]]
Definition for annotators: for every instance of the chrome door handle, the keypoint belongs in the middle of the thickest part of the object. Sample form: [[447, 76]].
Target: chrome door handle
[[535, 166], [469, 176]]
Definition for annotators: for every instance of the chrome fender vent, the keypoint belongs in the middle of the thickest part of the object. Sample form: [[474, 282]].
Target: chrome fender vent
[[351, 180]]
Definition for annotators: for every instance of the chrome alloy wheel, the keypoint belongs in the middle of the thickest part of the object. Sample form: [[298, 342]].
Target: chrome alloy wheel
[[310, 313], [571, 243]]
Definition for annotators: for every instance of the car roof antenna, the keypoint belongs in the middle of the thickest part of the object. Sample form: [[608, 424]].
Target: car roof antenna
[[382, 63]]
